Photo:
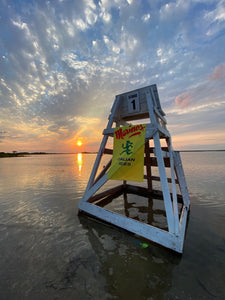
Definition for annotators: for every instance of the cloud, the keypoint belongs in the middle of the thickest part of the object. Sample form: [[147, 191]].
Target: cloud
[[219, 72], [183, 100], [215, 18], [146, 17], [64, 61], [174, 9]]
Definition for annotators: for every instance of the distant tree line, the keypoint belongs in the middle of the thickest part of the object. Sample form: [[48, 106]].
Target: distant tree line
[[17, 154]]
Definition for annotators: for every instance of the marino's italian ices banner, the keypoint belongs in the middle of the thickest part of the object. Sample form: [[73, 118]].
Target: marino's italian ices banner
[[128, 153]]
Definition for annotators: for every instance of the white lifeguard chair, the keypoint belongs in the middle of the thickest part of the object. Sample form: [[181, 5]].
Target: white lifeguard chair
[[132, 106]]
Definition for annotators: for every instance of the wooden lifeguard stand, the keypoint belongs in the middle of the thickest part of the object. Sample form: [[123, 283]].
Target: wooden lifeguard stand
[[136, 105]]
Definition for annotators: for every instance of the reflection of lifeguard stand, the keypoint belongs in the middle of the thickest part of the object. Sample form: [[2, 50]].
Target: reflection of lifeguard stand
[[140, 104]]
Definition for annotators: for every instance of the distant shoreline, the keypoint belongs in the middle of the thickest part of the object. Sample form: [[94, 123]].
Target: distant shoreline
[[23, 154]]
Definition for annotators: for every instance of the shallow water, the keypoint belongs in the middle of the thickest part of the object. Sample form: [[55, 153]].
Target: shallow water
[[48, 252]]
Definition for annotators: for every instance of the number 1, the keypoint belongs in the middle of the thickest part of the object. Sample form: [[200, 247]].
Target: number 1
[[134, 106]]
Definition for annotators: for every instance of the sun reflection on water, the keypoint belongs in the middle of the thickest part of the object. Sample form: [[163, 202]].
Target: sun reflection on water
[[79, 162]]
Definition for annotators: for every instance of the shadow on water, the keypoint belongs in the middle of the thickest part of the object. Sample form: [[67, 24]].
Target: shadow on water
[[130, 271]]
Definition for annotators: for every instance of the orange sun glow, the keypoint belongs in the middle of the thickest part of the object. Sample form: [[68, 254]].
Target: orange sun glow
[[79, 143]]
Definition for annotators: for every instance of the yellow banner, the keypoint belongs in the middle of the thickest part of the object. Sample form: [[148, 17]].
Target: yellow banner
[[128, 153]]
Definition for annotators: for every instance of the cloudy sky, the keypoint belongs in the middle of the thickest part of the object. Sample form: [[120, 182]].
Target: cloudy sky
[[63, 61]]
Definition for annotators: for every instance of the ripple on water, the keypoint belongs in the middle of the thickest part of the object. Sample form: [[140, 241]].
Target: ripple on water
[[47, 251]]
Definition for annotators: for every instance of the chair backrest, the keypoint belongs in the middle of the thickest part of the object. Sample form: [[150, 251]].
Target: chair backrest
[[133, 105]]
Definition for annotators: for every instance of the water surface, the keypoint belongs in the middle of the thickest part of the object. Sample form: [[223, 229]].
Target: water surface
[[48, 252]]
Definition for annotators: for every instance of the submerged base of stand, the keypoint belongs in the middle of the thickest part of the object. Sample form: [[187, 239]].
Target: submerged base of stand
[[138, 210]]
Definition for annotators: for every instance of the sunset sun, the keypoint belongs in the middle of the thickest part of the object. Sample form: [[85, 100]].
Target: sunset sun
[[79, 143]]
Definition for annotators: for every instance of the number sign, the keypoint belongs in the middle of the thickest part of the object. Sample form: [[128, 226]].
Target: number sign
[[133, 102]]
